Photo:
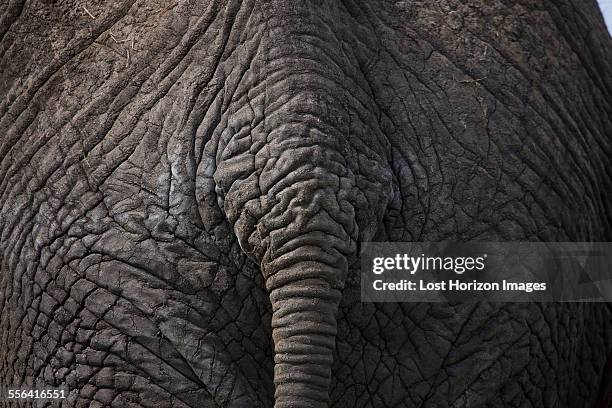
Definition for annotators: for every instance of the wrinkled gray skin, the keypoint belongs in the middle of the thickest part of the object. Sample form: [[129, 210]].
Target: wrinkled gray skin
[[180, 227]]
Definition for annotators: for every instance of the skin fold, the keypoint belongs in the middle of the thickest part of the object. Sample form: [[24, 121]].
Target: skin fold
[[185, 187]]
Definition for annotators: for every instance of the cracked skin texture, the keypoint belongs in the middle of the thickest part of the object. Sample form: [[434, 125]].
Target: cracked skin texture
[[180, 212]]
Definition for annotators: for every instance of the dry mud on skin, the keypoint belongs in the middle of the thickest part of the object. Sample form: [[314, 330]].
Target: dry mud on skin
[[184, 187]]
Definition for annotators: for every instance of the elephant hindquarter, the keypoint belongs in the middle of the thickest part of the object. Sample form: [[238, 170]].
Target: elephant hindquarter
[[185, 187]]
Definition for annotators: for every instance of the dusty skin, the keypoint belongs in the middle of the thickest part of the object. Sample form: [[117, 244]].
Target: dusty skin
[[185, 186]]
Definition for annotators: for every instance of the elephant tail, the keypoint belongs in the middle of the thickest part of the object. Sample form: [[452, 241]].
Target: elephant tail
[[300, 187], [305, 275], [303, 241], [298, 219]]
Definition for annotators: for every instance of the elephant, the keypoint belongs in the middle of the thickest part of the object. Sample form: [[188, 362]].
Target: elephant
[[186, 186]]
